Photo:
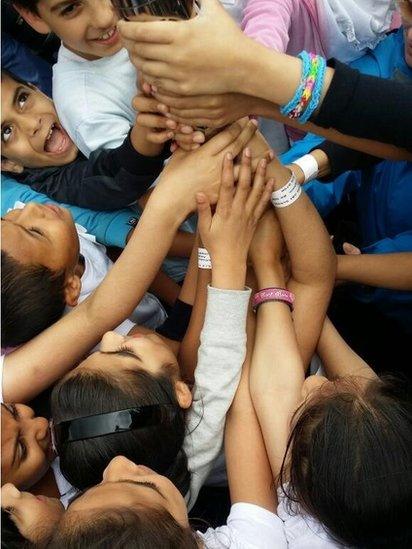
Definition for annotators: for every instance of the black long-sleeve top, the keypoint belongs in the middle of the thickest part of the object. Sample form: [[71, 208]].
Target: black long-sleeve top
[[109, 180], [366, 106]]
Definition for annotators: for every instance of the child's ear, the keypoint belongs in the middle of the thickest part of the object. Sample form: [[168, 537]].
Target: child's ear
[[72, 290], [183, 394], [11, 166], [32, 19]]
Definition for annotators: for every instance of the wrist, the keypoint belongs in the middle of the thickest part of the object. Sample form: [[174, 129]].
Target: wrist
[[298, 172], [227, 275], [270, 276]]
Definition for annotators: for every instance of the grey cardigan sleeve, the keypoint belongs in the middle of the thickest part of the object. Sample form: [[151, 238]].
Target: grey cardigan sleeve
[[221, 355]]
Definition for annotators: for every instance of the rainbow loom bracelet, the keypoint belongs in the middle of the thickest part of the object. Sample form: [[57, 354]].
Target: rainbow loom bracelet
[[308, 89], [293, 103], [317, 91]]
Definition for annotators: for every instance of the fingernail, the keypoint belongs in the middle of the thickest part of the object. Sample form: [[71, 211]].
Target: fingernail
[[154, 89], [229, 156], [170, 135], [247, 152], [199, 138], [171, 124], [263, 163], [254, 122]]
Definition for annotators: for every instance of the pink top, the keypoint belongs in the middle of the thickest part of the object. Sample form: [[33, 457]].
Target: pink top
[[288, 26]]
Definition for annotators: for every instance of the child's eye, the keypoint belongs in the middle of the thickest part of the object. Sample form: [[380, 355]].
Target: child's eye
[[6, 132], [22, 98], [22, 450], [35, 230], [69, 9]]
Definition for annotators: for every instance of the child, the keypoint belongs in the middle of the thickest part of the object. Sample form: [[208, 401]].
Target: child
[[49, 264], [38, 151]]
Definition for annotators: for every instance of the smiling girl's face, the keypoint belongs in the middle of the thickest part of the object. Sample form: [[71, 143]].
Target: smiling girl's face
[[26, 449]]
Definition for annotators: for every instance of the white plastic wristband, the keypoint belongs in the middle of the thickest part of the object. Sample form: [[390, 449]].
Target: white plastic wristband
[[203, 259], [287, 194], [309, 166]]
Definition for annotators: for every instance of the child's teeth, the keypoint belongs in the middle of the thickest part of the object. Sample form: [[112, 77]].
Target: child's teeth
[[106, 35]]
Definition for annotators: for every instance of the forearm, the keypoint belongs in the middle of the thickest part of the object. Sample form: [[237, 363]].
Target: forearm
[[248, 469], [375, 148], [191, 341], [392, 271], [165, 288], [312, 258], [277, 372], [338, 359], [182, 244]]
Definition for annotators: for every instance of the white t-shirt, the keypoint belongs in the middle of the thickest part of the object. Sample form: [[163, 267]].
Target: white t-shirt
[[93, 99], [248, 527], [252, 527], [149, 312]]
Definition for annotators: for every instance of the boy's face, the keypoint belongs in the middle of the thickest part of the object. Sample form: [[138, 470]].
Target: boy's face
[[26, 449], [41, 234], [31, 134], [86, 27]]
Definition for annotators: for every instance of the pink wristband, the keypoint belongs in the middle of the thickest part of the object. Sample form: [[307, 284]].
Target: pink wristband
[[273, 294]]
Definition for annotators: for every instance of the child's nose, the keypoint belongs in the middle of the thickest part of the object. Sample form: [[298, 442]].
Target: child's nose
[[103, 15], [31, 125], [40, 427]]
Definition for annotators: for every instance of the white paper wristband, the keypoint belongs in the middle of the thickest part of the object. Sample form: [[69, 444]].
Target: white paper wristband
[[309, 166], [203, 259], [287, 194]]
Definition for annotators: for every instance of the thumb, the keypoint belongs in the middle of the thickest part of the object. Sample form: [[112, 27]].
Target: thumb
[[204, 214], [350, 249]]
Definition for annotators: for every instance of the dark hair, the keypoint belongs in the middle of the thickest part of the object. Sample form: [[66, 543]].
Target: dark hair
[[85, 392], [349, 458], [32, 299], [10, 74], [122, 528], [30, 5], [10, 535]]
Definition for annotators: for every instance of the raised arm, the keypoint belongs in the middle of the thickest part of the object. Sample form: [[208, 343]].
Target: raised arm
[[312, 263], [36, 365]]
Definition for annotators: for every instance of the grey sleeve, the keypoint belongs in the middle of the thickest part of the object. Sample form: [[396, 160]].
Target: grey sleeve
[[220, 358]]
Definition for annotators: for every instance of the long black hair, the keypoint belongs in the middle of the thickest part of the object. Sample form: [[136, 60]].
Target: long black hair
[[160, 446], [349, 463]]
